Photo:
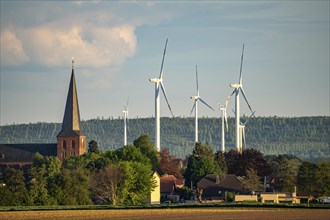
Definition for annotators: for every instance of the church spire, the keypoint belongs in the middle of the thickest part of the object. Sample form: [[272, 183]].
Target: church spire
[[71, 119]]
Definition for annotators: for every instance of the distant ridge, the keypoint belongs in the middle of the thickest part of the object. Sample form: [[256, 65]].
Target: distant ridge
[[305, 137]]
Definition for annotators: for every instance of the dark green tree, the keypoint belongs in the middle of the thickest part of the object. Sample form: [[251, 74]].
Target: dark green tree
[[200, 163], [13, 192], [287, 174], [252, 181], [221, 162], [249, 159], [147, 148], [38, 192], [93, 147], [323, 178], [306, 179]]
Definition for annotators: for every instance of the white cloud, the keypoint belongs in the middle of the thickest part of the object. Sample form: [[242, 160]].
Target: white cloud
[[94, 47], [12, 52]]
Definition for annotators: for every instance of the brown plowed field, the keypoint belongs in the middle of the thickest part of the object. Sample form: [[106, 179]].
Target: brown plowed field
[[188, 214]]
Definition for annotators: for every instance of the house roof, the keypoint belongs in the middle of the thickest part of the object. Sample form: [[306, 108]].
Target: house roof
[[24, 153], [167, 187], [168, 183], [71, 119], [212, 184]]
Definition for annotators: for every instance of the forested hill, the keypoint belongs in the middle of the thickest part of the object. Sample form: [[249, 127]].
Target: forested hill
[[305, 137]]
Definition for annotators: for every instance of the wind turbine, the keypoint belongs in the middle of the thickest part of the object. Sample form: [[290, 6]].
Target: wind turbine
[[242, 132], [195, 106], [159, 84], [223, 121], [125, 111], [238, 87]]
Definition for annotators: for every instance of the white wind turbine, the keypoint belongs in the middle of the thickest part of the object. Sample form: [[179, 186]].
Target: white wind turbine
[[237, 89], [223, 121], [125, 111], [242, 132], [195, 106], [159, 84]]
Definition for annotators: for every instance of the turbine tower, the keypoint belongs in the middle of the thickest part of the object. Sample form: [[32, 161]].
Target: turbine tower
[[242, 132], [223, 121], [195, 106], [159, 84], [125, 111], [238, 87]]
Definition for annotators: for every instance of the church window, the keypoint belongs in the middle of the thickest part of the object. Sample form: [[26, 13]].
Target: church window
[[73, 145], [64, 145]]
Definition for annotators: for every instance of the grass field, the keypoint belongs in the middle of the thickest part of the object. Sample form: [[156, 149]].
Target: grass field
[[175, 214]]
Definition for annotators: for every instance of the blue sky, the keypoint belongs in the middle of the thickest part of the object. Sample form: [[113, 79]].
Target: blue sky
[[118, 46]]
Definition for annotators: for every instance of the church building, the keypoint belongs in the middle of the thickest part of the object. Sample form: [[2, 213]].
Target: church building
[[71, 141]]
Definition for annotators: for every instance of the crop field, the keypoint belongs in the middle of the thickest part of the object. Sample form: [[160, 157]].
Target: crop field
[[175, 214]]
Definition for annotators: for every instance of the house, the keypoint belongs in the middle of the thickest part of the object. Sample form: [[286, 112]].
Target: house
[[154, 195], [168, 186], [216, 188], [71, 141]]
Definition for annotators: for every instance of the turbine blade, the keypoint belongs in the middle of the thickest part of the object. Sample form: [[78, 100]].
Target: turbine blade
[[193, 108], [197, 81], [240, 71], [243, 131], [164, 92], [206, 104], [252, 115], [241, 88], [227, 100], [127, 103], [232, 93], [127, 122], [161, 67], [226, 120]]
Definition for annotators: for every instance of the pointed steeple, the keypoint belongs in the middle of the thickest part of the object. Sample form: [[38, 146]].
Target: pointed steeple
[[71, 119]]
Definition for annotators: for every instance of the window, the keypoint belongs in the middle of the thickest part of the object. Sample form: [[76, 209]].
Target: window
[[73, 145], [64, 145]]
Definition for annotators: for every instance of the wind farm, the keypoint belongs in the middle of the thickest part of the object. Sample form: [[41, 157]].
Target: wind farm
[[216, 114], [238, 88]]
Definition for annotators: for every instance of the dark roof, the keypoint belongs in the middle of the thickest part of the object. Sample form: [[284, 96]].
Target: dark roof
[[24, 153], [167, 184], [71, 119], [212, 184]]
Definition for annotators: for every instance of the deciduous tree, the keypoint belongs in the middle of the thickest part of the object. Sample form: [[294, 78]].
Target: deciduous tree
[[252, 181], [200, 163]]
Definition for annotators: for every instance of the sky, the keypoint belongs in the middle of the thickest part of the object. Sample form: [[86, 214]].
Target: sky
[[118, 45]]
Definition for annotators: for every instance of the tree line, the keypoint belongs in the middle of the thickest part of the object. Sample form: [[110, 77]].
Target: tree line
[[119, 177], [124, 176], [305, 137]]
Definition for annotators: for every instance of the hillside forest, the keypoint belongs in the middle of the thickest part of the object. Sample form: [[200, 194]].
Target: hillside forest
[[304, 137]]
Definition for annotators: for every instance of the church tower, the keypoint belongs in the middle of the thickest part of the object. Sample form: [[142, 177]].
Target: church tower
[[71, 141]]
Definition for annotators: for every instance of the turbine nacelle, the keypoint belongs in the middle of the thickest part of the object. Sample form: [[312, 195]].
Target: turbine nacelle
[[155, 80], [235, 85], [194, 97]]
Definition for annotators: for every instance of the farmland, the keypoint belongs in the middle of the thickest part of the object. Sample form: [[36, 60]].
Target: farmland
[[180, 213]]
